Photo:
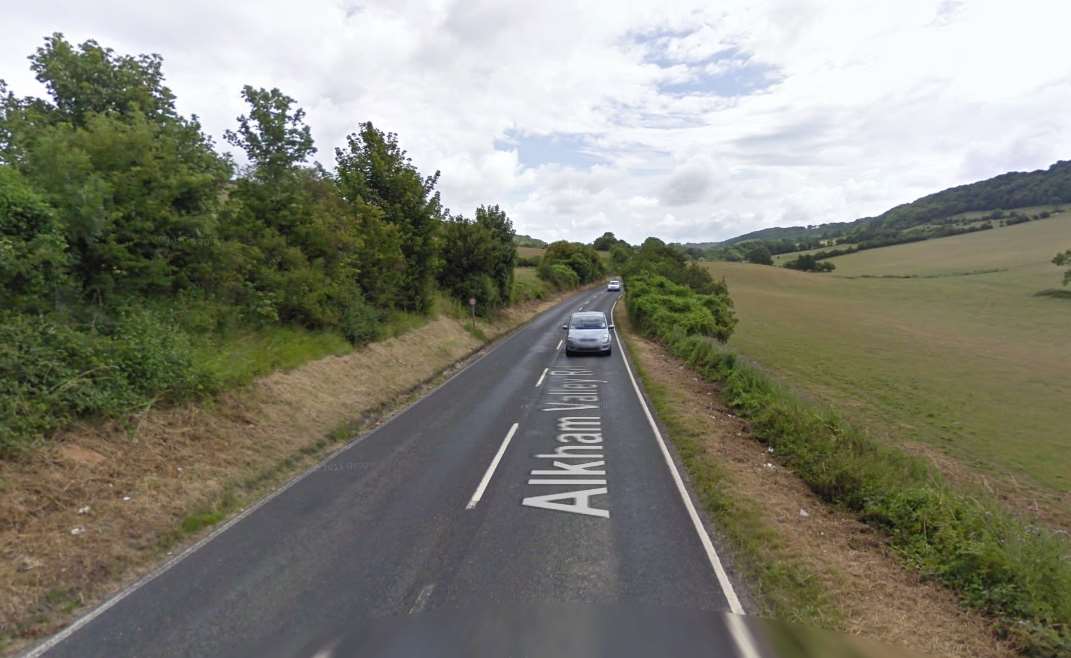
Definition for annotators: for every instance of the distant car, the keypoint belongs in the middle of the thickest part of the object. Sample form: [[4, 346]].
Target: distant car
[[587, 332], [613, 285]]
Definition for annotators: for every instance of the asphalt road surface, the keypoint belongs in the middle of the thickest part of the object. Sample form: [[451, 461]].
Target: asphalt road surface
[[530, 481]]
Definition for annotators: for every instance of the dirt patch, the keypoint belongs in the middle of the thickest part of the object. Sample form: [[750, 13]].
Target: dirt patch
[[879, 598], [103, 502]]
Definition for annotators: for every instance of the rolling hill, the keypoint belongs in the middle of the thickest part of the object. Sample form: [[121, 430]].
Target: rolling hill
[[934, 215]]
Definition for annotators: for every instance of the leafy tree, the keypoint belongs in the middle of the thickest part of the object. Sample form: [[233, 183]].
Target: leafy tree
[[374, 169], [1061, 260], [582, 259], [469, 257], [604, 242], [33, 251], [134, 185], [136, 200], [297, 246], [810, 263], [273, 135], [759, 254], [656, 257], [503, 254], [619, 256], [90, 79]]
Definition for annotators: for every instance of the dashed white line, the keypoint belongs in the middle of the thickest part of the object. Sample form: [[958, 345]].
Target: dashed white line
[[560, 344], [542, 377], [491, 469]]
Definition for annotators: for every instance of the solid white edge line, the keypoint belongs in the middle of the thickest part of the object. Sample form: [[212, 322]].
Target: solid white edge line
[[161, 569], [491, 469], [737, 628], [541, 377]]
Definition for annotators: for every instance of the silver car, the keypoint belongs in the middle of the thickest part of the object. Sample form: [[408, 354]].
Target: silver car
[[587, 332], [613, 285]]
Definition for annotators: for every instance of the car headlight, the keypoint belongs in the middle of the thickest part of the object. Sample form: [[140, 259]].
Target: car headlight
[[605, 338]]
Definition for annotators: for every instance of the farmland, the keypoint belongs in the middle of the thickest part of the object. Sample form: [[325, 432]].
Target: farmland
[[941, 344]]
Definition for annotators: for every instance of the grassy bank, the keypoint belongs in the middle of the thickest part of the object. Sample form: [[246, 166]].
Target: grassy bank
[[1018, 574]]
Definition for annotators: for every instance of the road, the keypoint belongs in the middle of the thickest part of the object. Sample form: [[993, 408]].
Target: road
[[528, 479]]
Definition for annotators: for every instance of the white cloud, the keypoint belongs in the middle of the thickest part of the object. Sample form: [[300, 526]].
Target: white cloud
[[862, 104]]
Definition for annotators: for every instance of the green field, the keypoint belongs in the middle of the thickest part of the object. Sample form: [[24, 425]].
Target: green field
[[528, 252], [943, 342]]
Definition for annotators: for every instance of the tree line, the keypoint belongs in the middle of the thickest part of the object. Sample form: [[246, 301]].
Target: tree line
[[124, 230]]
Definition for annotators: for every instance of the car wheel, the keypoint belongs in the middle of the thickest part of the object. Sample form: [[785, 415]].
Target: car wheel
[[568, 352]]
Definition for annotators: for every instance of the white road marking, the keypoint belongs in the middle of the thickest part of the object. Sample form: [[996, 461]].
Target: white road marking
[[541, 377], [491, 469], [560, 344], [737, 628], [566, 481], [422, 599]]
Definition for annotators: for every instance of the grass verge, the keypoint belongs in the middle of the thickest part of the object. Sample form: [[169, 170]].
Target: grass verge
[[784, 588], [1018, 574]]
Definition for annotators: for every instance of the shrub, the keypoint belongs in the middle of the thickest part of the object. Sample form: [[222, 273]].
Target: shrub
[[53, 371]]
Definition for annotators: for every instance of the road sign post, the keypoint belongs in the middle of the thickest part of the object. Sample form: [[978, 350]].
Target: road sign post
[[472, 306]]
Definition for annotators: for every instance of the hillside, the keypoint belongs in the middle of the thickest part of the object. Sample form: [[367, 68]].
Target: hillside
[[528, 241], [934, 215], [943, 344]]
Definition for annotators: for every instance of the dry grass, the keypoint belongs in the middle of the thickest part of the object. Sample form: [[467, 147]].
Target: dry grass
[[877, 596], [100, 505]]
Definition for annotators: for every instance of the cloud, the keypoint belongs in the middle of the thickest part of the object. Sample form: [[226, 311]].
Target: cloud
[[682, 118]]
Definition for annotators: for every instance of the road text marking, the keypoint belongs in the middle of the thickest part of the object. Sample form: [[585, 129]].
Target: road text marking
[[491, 469]]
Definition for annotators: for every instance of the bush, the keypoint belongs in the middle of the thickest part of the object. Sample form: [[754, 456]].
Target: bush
[[810, 263], [560, 276], [662, 308], [53, 371], [581, 259], [360, 322]]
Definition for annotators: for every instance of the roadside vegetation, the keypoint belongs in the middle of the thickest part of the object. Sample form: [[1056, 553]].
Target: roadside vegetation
[[140, 265], [1017, 572]]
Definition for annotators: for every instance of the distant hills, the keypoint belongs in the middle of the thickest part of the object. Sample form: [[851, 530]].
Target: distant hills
[[934, 215], [528, 241]]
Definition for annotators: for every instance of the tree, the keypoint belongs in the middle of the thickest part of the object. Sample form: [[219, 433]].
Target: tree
[[91, 79], [1061, 260], [469, 257], [374, 169], [759, 254], [274, 135], [33, 251], [604, 242], [503, 255], [810, 263], [581, 259]]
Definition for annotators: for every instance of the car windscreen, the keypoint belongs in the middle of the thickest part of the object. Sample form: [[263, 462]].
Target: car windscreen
[[588, 323]]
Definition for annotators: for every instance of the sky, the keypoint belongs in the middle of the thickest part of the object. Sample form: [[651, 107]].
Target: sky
[[690, 121]]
